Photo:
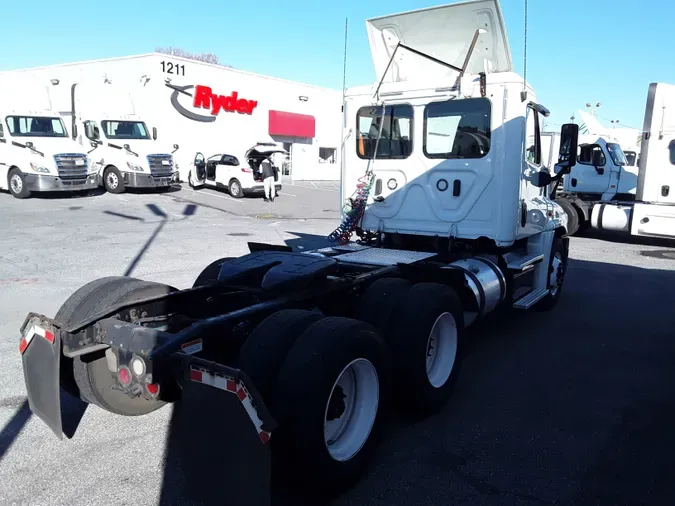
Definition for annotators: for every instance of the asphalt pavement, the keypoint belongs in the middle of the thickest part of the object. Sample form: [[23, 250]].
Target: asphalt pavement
[[575, 406]]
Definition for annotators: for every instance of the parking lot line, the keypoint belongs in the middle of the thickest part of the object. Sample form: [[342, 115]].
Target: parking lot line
[[289, 194], [224, 197]]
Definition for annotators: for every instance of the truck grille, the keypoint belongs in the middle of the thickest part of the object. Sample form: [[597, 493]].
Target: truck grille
[[159, 166], [71, 166]]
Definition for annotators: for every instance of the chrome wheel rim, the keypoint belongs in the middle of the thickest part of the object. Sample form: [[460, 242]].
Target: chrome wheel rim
[[112, 180], [16, 183], [351, 409], [557, 274], [441, 350]]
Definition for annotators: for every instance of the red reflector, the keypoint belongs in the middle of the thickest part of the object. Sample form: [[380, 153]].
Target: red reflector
[[124, 376], [23, 345], [264, 437], [153, 388], [196, 375], [49, 336], [231, 386], [241, 394]]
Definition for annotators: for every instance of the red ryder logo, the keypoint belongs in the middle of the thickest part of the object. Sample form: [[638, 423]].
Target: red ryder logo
[[206, 99]]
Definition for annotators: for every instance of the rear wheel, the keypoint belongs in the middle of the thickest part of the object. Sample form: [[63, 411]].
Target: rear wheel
[[17, 184], [235, 189], [426, 337], [91, 379], [330, 399]]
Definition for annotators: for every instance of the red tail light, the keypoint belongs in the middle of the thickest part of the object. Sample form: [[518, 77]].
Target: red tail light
[[153, 388], [245, 169], [124, 375]]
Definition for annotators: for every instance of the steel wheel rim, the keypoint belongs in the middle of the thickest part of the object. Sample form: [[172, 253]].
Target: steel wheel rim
[[557, 274], [441, 350], [351, 409], [112, 180], [16, 183]]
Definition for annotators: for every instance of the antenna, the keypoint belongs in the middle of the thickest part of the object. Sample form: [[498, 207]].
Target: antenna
[[523, 95], [344, 65]]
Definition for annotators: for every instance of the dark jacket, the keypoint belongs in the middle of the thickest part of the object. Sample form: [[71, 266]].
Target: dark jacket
[[267, 168]]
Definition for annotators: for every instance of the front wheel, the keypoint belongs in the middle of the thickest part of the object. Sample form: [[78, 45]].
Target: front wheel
[[235, 189], [113, 180], [557, 268], [17, 184]]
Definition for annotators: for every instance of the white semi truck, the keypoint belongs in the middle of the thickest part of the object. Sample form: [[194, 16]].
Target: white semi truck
[[605, 192], [36, 153], [124, 150], [443, 183]]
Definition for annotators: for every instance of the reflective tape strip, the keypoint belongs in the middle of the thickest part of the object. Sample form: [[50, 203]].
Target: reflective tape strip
[[33, 331], [231, 385]]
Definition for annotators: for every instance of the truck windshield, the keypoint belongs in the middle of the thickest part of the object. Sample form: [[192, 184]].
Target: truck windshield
[[35, 126], [125, 129], [616, 153]]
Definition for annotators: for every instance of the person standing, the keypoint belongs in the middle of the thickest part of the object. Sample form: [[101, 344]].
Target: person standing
[[268, 179]]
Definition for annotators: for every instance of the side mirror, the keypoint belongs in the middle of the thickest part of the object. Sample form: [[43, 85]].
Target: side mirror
[[597, 159], [154, 133], [541, 179], [175, 148], [94, 144], [90, 131], [569, 141], [74, 131]]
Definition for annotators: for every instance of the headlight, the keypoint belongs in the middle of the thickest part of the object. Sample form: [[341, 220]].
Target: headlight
[[38, 168], [135, 167]]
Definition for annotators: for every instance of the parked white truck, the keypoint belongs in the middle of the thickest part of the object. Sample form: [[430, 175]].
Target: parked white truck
[[605, 192], [124, 150], [454, 221], [36, 153]]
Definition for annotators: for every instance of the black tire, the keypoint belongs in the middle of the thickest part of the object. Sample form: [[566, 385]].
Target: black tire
[[572, 216], [210, 273], [551, 300], [408, 336], [16, 183], [235, 189], [113, 180], [303, 390], [90, 375], [379, 302], [265, 350]]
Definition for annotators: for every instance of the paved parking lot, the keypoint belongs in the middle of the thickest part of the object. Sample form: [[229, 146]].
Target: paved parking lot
[[572, 407]]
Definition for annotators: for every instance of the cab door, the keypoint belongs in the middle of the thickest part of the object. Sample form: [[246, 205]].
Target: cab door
[[197, 176], [666, 193], [592, 173], [4, 164]]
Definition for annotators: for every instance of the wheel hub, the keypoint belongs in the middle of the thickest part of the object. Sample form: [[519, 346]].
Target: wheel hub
[[557, 274], [112, 180], [351, 409], [16, 183], [441, 350]]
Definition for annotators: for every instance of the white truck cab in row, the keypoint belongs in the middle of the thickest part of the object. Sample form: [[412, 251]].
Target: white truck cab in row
[[36, 153], [124, 151], [605, 191]]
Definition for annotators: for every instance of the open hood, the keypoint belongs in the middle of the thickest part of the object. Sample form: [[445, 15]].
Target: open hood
[[443, 32], [264, 149]]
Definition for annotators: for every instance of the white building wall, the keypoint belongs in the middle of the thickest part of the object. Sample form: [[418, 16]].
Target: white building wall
[[146, 76]]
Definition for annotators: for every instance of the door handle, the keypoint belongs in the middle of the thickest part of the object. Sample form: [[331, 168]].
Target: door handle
[[665, 190]]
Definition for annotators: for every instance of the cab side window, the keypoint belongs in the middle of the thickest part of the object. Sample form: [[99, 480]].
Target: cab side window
[[532, 138], [591, 154], [671, 149], [2, 131]]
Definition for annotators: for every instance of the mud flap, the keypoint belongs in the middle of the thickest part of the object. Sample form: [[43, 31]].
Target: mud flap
[[41, 356], [216, 452]]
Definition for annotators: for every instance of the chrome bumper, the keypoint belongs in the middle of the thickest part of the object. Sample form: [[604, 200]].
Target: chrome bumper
[[140, 180], [42, 183]]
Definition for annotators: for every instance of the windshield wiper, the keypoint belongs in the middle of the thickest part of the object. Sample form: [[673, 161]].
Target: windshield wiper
[[28, 145]]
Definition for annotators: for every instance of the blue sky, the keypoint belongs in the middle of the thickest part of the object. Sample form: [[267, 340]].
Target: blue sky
[[578, 50]]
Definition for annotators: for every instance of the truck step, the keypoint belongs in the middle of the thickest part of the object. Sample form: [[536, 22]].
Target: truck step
[[531, 299], [517, 262]]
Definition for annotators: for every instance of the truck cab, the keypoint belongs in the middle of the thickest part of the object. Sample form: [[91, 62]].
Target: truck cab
[[602, 172], [36, 153], [124, 150]]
